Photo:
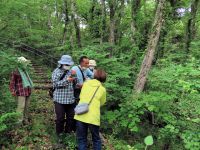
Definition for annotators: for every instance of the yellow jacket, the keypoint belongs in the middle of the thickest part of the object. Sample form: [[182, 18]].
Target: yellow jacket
[[87, 91]]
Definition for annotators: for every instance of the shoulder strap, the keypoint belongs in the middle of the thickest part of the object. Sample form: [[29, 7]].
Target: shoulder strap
[[82, 74], [63, 75], [93, 95]]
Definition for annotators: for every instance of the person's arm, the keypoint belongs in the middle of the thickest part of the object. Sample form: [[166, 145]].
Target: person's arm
[[12, 84], [90, 74], [57, 82], [79, 84], [103, 98]]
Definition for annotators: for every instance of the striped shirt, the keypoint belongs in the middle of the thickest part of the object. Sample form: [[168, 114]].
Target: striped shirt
[[64, 91]]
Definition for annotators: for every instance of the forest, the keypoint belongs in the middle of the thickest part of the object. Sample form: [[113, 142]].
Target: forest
[[150, 50]]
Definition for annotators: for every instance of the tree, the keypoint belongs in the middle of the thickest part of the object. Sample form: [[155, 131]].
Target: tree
[[135, 5], [66, 20], [191, 28], [91, 20], [119, 15], [103, 22], [112, 6], [75, 19], [152, 43]]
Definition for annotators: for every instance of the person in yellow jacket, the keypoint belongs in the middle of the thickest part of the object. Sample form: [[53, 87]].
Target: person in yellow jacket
[[91, 119]]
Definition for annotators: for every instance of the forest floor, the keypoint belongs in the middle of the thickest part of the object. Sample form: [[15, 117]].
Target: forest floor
[[38, 133]]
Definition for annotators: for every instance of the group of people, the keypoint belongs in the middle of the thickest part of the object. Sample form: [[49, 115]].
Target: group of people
[[73, 85]]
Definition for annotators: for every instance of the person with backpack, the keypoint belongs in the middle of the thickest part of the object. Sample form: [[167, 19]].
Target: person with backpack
[[20, 87], [63, 96], [83, 73]]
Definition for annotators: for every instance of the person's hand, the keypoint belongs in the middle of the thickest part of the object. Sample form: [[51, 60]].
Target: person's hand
[[70, 79], [14, 94], [73, 73], [79, 86]]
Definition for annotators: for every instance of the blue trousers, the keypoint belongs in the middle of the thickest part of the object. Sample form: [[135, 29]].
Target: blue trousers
[[81, 133]]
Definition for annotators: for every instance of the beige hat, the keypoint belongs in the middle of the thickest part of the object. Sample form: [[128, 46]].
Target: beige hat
[[23, 60], [92, 63]]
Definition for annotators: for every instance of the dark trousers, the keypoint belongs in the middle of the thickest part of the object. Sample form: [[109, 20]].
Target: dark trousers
[[77, 94], [64, 118], [81, 133]]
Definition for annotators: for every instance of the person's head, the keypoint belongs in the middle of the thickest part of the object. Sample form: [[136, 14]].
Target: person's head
[[66, 62], [92, 64], [100, 75], [23, 61], [84, 62]]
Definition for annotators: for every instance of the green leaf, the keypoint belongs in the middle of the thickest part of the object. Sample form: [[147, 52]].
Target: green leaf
[[148, 140]]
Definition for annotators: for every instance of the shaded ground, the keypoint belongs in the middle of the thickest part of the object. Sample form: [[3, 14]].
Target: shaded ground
[[39, 133]]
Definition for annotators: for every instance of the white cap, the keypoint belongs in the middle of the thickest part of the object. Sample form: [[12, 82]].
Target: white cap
[[92, 63], [23, 60]]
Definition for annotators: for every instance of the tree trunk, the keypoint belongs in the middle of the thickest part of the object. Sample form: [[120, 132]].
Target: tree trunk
[[112, 6], [71, 33], [191, 28], [66, 21], [56, 9], [92, 19], [76, 21], [152, 43], [173, 4], [103, 21], [120, 13], [112, 22], [135, 5]]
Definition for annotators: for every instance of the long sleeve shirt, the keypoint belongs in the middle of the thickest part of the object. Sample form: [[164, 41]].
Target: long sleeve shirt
[[88, 90], [64, 91], [16, 85]]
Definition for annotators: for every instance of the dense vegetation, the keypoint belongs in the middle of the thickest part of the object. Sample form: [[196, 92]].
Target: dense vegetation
[[120, 35]]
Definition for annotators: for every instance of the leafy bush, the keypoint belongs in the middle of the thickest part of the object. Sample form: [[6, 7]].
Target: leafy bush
[[171, 103]]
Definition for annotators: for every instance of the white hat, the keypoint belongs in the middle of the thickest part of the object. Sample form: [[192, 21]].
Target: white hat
[[23, 60], [92, 63]]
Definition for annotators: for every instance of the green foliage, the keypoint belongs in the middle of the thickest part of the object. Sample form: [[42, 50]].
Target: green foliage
[[8, 121], [173, 98], [191, 140], [148, 140], [118, 81], [70, 141], [168, 109], [117, 144], [195, 49], [7, 65], [83, 7]]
